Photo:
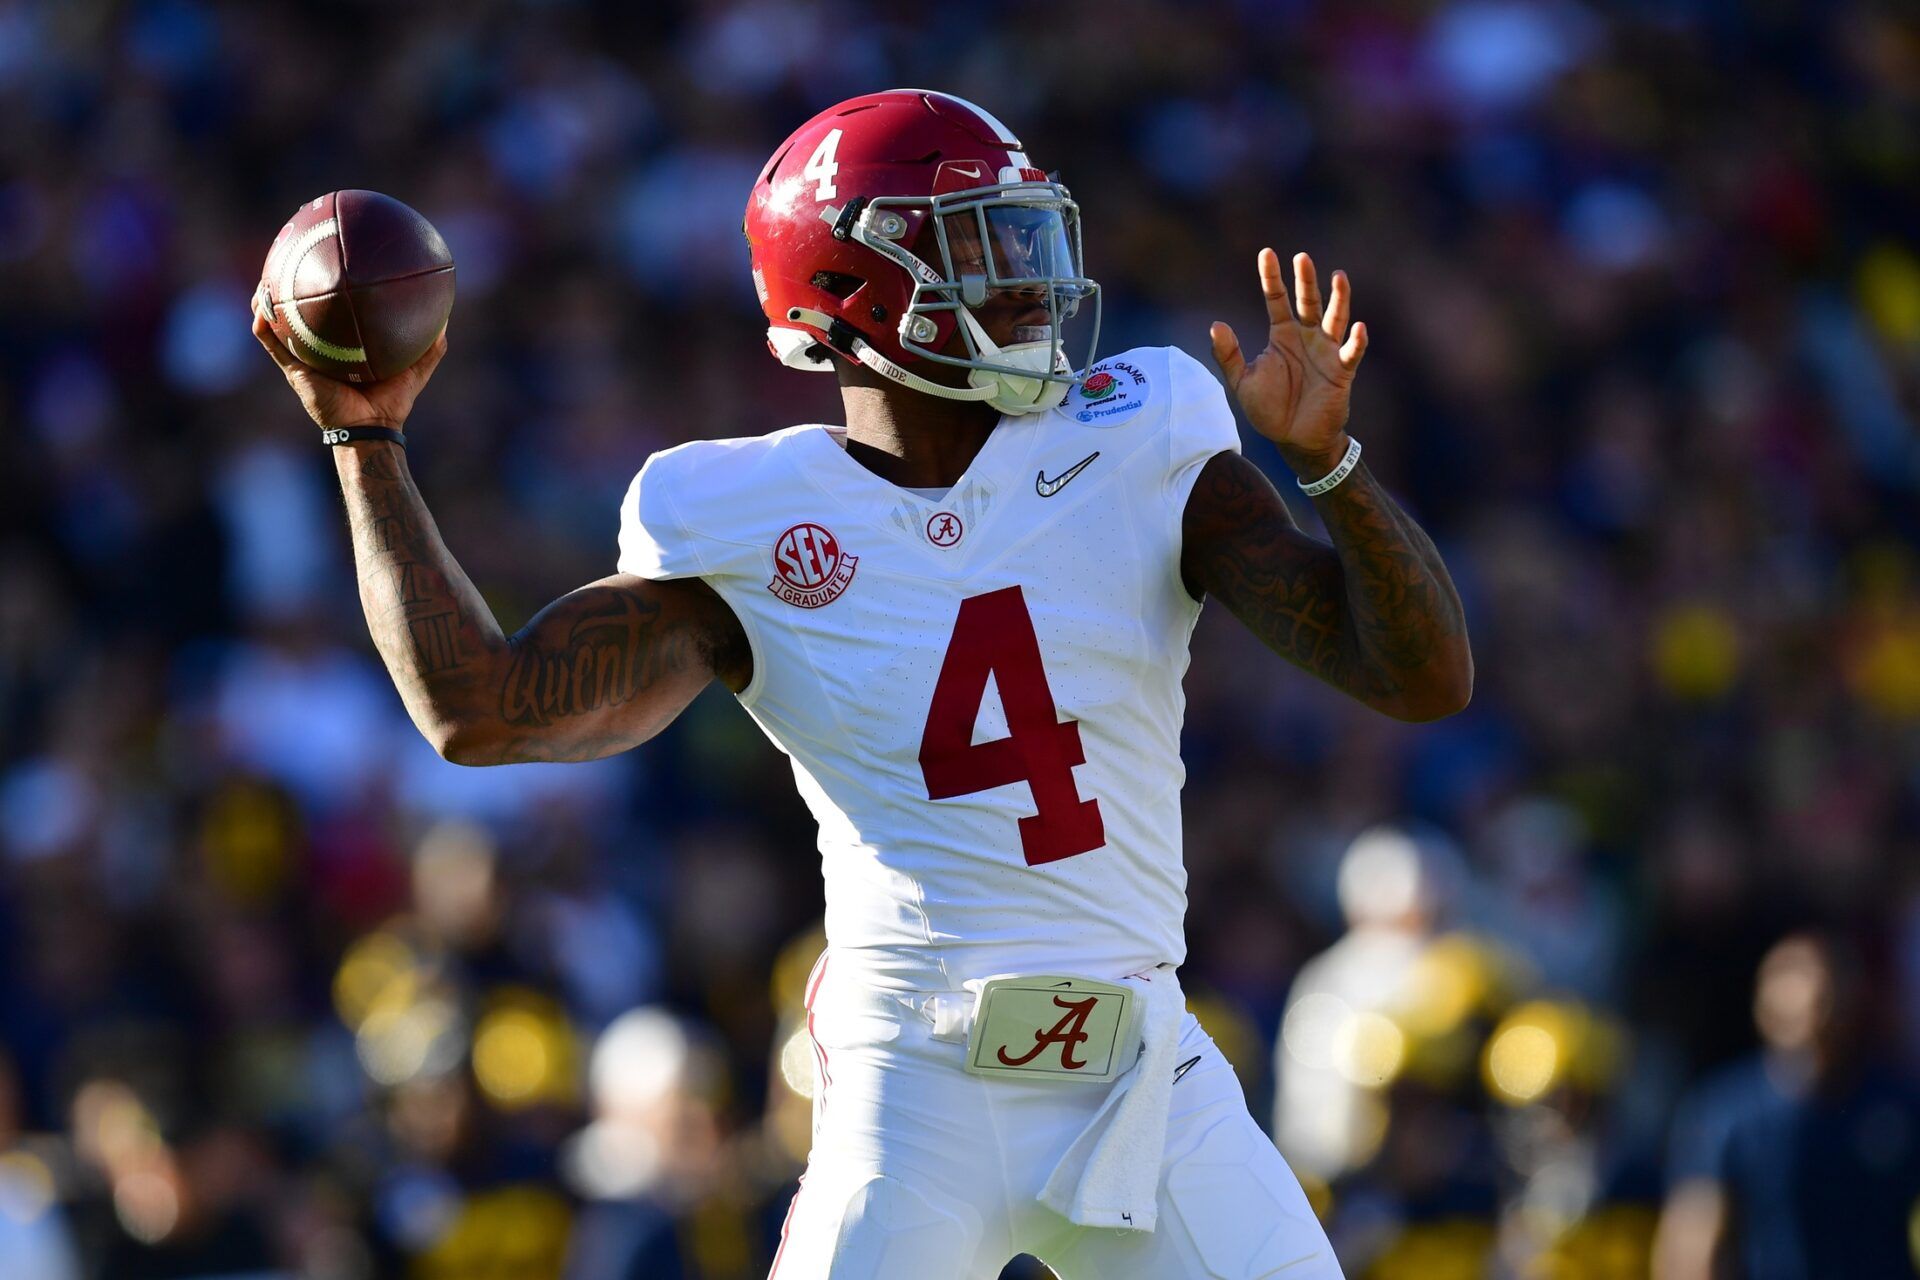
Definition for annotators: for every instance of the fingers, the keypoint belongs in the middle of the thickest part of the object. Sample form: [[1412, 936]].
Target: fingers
[[423, 367], [263, 331], [1356, 346], [1306, 288], [1338, 310], [1275, 289], [1339, 307], [1227, 354]]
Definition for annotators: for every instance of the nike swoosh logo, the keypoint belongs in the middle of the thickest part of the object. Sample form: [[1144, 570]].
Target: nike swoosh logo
[[1047, 488], [1184, 1067], [966, 173]]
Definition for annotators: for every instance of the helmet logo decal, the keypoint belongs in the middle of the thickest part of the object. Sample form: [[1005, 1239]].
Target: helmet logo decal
[[821, 166], [944, 529], [809, 566]]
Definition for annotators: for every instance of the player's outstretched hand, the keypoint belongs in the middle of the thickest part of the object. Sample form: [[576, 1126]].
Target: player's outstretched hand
[[333, 403], [1295, 391]]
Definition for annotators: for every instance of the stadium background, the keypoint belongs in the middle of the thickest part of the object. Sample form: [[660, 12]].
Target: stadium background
[[281, 993]]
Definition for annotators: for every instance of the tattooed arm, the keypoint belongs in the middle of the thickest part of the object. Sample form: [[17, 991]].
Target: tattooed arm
[[1374, 615], [599, 670]]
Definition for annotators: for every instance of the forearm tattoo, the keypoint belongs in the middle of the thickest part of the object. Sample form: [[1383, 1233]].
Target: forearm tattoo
[[561, 689], [1375, 614], [427, 621], [609, 655]]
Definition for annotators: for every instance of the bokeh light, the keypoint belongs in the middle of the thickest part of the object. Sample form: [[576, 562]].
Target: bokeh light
[[524, 1052]]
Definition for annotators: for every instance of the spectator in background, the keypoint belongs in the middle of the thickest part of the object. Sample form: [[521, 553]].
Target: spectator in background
[[1802, 1163], [651, 1164], [175, 1200], [1391, 893]]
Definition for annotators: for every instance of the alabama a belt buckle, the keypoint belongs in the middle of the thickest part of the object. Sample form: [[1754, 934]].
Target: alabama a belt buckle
[[1051, 1026]]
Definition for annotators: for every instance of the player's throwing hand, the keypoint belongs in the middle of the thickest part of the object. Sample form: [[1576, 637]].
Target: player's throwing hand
[[1295, 392], [333, 403]]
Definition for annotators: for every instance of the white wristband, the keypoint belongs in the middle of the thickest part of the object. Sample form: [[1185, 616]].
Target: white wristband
[[1334, 477]]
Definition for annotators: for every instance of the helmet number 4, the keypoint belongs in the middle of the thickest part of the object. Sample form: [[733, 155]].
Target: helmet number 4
[[821, 166], [994, 636]]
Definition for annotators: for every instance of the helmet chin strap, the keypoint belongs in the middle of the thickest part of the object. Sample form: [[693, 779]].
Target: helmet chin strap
[[1009, 393], [1006, 392], [864, 352]]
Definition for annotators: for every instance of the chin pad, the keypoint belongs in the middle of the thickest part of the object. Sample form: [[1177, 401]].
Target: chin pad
[[1014, 394]]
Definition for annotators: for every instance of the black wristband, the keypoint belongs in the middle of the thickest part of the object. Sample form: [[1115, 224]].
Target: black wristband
[[348, 435]]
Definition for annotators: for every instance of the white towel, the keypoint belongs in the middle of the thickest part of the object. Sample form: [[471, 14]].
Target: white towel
[[1110, 1175]]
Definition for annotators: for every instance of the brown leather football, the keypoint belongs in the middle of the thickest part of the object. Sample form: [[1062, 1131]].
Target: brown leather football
[[358, 285]]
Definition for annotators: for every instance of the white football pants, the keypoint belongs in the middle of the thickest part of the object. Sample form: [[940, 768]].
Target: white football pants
[[921, 1171]]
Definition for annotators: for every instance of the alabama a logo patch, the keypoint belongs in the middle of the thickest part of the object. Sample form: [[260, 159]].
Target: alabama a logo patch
[[809, 566], [1113, 392], [944, 529]]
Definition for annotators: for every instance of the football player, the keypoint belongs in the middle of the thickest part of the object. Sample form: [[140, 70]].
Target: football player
[[964, 614]]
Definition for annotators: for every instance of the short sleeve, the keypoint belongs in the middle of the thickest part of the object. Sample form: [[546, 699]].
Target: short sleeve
[[1200, 424], [1703, 1128], [655, 541]]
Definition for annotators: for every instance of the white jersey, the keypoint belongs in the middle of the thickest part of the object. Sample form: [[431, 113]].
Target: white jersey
[[981, 694]]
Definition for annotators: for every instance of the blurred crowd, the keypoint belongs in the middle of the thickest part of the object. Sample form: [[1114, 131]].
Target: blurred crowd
[[1617, 973]]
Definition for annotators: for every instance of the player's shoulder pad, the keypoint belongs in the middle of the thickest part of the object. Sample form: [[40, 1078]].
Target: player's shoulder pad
[[683, 514]]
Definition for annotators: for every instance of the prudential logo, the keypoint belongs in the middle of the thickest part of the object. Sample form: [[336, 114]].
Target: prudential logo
[[1111, 392]]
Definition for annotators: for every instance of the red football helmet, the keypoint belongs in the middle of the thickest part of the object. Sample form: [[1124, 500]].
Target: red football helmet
[[846, 216]]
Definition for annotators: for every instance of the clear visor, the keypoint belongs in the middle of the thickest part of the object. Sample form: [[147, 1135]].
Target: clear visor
[[1015, 246]]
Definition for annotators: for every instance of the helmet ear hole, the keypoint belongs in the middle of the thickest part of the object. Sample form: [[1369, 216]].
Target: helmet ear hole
[[837, 283]]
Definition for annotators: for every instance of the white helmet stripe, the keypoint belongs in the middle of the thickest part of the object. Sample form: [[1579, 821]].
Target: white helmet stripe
[[1007, 135]]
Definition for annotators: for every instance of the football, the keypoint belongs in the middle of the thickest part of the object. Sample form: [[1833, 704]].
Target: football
[[357, 285]]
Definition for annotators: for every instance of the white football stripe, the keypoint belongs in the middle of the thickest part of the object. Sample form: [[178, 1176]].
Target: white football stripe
[[289, 268]]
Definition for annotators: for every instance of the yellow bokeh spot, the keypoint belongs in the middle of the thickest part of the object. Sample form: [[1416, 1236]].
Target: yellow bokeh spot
[[1523, 1062], [523, 1051], [1615, 1240], [1234, 1034], [796, 1063], [1696, 652], [515, 1231], [511, 1056], [1889, 284], [1886, 673], [1369, 1049], [793, 966], [1913, 1234], [1452, 979], [247, 842], [379, 972], [1448, 1249], [1545, 1044]]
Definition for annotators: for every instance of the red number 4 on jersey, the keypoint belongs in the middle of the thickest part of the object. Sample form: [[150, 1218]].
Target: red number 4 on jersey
[[994, 636]]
